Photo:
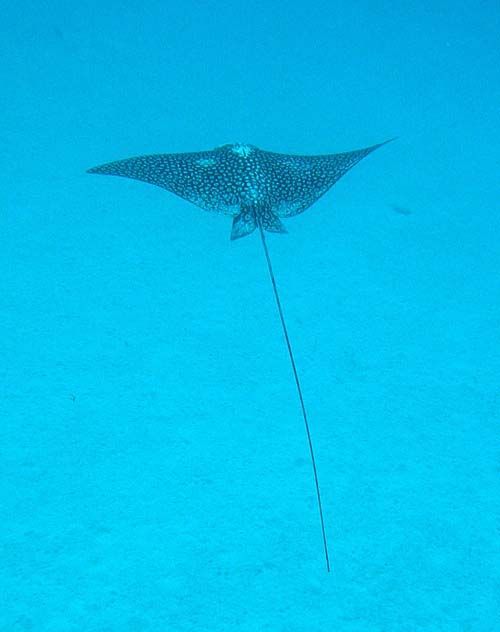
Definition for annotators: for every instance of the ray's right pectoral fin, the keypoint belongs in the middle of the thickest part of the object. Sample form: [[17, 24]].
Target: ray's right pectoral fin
[[243, 224]]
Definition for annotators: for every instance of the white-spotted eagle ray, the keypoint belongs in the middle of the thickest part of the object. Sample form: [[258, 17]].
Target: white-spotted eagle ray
[[257, 189]]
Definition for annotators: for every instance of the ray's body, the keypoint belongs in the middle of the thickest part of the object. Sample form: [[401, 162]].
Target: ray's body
[[257, 189]]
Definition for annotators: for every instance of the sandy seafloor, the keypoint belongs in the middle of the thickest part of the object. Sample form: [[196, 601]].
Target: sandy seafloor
[[154, 465]]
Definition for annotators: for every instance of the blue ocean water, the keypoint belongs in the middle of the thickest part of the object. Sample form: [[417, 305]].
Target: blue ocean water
[[155, 473]]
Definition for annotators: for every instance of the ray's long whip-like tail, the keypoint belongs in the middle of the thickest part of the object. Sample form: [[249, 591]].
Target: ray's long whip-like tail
[[299, 390]]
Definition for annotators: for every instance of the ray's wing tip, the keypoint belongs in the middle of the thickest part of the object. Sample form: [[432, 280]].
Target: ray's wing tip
[[100, 169], [108, 168], [385, 142]]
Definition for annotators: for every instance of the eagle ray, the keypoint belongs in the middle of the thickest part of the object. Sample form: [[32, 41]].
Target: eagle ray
[[257, 189]]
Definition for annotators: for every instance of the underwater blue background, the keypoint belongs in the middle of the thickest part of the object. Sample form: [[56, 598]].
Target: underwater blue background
[[155, 474]]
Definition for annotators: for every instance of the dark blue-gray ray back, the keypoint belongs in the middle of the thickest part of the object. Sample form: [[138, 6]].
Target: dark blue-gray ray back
[[247, 183]]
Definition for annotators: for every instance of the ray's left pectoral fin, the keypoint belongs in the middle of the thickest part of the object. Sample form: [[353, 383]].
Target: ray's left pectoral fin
[[243, 224]]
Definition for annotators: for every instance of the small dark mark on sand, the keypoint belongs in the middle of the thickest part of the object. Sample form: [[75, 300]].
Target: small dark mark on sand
[[401, 210]]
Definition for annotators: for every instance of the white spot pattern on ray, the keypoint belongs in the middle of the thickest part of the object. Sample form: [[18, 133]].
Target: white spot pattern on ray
[[233, 177]]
